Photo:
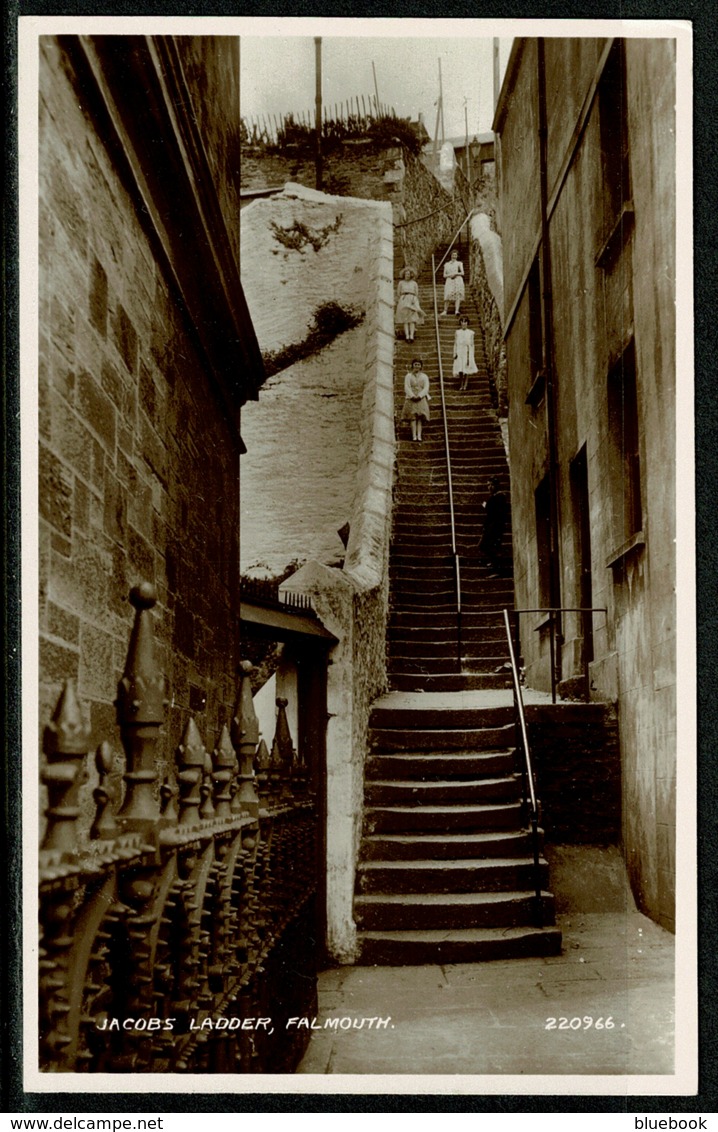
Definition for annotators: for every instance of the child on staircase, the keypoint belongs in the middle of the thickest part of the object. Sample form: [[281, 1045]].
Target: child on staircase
[[454, 283], [464, 360], [408, 309], [417, 397]]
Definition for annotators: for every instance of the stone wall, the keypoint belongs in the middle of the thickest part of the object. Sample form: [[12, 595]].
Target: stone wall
[[431, 215], [577, 762], [353, 170], [138, 463], [608, 296], [353, 602], [304, 434], [425, 213]]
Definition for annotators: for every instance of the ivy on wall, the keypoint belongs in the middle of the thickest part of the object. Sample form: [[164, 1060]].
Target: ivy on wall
[[328, 322]]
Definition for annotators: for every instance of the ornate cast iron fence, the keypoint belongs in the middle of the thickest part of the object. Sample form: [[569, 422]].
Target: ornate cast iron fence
[[182, 936]]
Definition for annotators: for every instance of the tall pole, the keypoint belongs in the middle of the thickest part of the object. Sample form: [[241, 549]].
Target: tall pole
[[496, 73], [318, 105], [466, 142], [376, 89], [441, 103]]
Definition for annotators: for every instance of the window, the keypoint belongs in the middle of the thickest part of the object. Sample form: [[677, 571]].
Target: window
[[612, 105], [625, 470]]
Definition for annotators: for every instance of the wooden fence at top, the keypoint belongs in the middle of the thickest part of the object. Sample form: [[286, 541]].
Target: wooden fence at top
[[352, 115]]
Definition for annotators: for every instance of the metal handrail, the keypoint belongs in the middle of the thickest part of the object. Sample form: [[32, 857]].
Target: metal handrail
[[457, 566], [526, 769], [552, 611]]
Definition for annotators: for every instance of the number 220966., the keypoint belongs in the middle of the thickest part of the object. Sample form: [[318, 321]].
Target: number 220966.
[[585, 1023]]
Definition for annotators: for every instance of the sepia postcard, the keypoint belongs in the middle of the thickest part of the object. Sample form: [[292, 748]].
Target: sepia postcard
[[359, 737]]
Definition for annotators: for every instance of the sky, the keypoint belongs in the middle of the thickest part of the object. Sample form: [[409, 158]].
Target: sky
[[278, 72]]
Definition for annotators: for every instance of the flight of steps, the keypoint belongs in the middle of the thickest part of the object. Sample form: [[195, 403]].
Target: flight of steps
[[446, 864], [424, 649]]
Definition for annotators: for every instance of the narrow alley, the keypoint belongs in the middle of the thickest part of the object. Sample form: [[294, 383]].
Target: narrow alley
[[451, 954]]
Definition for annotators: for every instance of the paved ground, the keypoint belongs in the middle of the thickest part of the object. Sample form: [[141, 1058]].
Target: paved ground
[[495, 1018]]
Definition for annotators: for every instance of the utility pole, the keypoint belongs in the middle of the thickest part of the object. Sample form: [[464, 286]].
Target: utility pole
[[318, 104], [439, 116], [441, 103], [376, 89], [496, 73]]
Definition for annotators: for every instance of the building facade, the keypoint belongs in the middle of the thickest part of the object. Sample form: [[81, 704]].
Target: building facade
[[586, 131], [178, 858]]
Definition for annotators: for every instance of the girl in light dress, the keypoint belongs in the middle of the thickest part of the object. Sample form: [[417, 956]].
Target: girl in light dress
[[454, 283], [408, 310], [464, 361], [417, 397]]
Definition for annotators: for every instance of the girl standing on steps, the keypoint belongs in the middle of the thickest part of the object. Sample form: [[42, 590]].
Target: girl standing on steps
[[464, 361], [416, 405], [454, 283], [408, 310]]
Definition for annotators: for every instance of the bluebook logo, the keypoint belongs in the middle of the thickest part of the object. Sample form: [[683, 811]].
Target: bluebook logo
[[645, 1122]]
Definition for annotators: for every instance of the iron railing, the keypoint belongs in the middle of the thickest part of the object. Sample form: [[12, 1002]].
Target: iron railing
[[267, 592], [527, 775], [456, 236], [171, 919], [447, 449], [553, 614]]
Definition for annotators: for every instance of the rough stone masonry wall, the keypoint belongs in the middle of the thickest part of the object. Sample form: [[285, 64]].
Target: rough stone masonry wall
[[353, 602], [137, 472], [425, 214], [431, 215], [352, 170]]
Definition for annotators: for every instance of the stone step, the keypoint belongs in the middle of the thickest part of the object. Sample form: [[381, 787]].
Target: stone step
[[419, 911], [447, 846], [498, 735], [444, 654], [425, 620], [467, 945], [478, 637], [426, 663], [439, 765], [432, 817], [412, 792], [415, 653], [495, 874], [475, 612], [422, 567], [446, 682], [481, 724]]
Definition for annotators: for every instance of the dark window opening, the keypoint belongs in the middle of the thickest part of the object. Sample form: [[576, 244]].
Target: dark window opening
[[613, 111], [624, 441]]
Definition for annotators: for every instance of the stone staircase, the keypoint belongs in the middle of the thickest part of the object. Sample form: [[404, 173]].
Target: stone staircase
[[446, 865], [428, 648], [446, 868]]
